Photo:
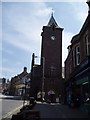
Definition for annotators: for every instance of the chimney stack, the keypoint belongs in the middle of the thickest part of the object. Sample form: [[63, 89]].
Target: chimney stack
[[25, 69]]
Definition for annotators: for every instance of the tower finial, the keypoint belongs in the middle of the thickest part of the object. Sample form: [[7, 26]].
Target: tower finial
[[52, 12]]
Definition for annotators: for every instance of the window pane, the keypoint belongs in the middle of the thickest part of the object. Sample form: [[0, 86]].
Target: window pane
[[77, 55], [87, 45]]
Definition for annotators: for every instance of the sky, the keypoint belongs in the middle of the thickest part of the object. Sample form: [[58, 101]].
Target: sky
[[22, 22]]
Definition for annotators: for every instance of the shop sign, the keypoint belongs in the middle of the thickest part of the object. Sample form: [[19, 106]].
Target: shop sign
[[81, 81]]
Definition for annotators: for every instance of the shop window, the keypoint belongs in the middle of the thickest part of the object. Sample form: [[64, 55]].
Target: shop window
[[87, 43], [85, 93]]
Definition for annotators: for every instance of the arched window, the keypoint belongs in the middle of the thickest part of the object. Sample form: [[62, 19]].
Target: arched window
[[52, 71]]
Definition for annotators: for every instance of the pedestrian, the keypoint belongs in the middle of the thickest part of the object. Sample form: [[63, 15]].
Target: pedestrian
[[69, 100], [59, 98]]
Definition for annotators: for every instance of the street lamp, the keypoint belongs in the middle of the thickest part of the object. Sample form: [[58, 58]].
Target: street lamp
[[43, 79]]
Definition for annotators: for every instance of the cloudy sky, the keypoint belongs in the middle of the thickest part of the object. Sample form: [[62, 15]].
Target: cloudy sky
[[22, 22]]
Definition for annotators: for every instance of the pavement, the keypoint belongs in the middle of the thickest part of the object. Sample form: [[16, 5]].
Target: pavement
[[58, 111], [54, 110]]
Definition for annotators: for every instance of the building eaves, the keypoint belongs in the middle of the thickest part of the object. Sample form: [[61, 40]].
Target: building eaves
[[75, 39]]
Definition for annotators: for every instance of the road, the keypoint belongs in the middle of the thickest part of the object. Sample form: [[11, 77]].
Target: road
[[9, 107]]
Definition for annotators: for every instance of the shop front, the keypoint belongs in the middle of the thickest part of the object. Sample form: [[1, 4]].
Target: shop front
[[82, 87]]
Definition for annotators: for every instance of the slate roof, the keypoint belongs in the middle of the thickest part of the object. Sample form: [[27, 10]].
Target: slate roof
[[52, 22]]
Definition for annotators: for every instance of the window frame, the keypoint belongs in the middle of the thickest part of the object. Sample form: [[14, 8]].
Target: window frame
[[77, 55], [87, 43]]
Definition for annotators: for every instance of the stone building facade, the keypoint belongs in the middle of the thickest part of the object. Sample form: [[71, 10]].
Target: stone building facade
[[3, 84], [77, 64], [17, 85]]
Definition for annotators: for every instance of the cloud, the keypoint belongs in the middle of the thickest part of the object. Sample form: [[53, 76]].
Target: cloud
[[8, 51], [10, 71], [26, 25], [6, 70], [0, 27], [43, 0], [0, 38], [23, 31], [22, 27], [81, 11], [67, 36]]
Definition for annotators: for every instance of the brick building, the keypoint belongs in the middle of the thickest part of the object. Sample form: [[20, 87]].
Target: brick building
[[51, 81], [17, 85], [77, 64], [3, 84]]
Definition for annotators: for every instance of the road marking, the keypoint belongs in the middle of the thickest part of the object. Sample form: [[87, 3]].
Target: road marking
[[11, 112]]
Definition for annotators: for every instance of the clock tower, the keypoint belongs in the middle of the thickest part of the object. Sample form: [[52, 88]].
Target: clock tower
[[51, 51]]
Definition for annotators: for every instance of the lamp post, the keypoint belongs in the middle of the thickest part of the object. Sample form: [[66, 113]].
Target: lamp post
[[43, 78]]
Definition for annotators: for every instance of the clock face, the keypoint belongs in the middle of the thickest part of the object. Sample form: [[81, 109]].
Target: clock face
[[52, 37]]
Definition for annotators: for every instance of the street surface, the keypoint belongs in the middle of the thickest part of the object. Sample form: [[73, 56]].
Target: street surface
[[9, 107], [58, 111]]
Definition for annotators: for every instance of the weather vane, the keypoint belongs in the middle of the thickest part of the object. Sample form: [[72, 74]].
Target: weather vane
[[52, 12]]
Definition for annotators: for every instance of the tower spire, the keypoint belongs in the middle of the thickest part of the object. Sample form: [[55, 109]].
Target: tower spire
[[52, 20]]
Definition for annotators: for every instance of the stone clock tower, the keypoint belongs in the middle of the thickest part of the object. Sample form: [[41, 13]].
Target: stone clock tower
[[51, 57]]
